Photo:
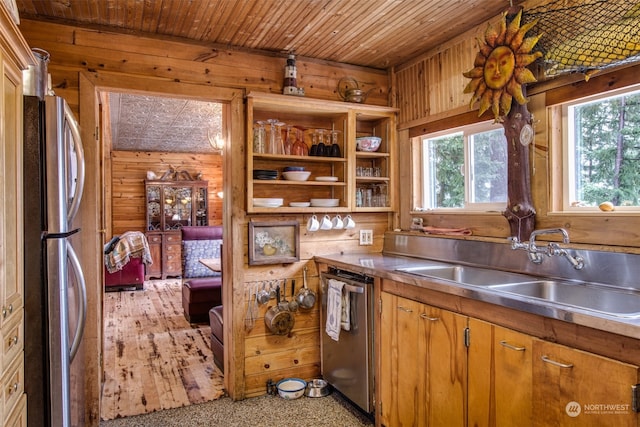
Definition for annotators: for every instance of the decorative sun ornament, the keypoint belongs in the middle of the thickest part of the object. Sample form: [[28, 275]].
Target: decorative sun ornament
[[500, 66]]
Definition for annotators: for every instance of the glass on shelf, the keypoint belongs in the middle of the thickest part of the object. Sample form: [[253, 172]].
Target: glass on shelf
[[276, 145], [259, 137], [299, 147]]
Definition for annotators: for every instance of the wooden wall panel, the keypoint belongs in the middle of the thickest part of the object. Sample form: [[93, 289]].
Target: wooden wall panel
[[129, 170], [105, 56]]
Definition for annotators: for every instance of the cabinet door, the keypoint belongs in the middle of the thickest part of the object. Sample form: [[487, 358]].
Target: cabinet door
[[401, 362], [11, 223], [155, 248], [500, 376], [444, 369], [576, 388], [423, 362]]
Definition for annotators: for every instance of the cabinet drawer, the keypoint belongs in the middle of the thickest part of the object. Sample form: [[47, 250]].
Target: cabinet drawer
[[172, 239], [154, 238], [174, 249], [12, 386], [12, 339], [173, 267], [18, 417]]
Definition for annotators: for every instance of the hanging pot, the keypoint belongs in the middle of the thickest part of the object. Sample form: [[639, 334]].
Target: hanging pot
[[306, 297], [278, 319]]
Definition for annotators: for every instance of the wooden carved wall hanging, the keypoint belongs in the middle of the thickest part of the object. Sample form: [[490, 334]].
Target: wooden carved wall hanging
[[497, 83]]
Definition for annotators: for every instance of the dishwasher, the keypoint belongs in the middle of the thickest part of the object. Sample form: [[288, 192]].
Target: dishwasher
[[347, 364]]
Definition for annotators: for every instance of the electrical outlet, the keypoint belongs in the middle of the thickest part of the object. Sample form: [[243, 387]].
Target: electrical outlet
[[366, 237]]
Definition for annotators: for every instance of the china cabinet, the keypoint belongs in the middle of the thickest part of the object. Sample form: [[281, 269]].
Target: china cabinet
[[328, 130], [170, 205]]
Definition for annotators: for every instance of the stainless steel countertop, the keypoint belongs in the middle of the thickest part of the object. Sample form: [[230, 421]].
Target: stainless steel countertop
[[385, 266]]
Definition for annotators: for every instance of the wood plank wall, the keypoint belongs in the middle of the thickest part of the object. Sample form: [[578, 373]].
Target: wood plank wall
[[162, 61], [430, 98], [129, 170]]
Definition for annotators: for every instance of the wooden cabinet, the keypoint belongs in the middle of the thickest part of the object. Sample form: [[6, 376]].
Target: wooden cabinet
[[166, 252], [349, 121], [500, 376], [423, 364], [575, 388], [440, 368], [14, 56], [172, 203]]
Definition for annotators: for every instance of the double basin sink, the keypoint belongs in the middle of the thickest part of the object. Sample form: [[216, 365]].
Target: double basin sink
[[598, 298]]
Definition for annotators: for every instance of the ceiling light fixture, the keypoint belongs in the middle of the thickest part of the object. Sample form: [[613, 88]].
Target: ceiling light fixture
[[217, 143]]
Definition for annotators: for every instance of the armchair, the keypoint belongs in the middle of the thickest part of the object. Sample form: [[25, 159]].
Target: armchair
[[202, 287]]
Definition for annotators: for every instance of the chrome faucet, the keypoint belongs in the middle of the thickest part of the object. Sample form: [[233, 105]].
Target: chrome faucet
[[553, 249]]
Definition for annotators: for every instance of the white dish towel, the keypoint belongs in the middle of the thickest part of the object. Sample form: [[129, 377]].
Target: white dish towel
[[337, 309]]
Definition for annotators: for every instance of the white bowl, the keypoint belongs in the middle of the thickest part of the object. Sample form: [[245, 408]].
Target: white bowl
[[325, 203], [299, 204], [296, 175], [327, 178], [291, 388], [268, 203], [368, 143]]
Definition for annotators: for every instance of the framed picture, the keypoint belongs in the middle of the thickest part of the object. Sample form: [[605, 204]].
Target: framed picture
[[274, 242]]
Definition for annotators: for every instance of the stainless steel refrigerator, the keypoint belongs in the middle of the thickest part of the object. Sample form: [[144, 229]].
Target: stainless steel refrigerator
[[55, 293]]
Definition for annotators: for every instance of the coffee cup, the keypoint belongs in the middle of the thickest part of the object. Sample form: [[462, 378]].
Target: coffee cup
[[349, 223], [337, 223], [325, 223], [313, 224]]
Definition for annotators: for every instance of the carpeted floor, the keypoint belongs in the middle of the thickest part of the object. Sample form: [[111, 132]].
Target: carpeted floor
[[330, 411], [153, 358]]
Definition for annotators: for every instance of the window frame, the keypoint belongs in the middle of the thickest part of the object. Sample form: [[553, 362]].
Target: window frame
[[568, 159], [422, 194]]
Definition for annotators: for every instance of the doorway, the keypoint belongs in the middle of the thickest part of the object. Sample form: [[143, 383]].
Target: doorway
[[153, 358]]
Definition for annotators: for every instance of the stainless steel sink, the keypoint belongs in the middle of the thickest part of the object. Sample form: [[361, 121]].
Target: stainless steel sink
[[580, 295], [467, 275]]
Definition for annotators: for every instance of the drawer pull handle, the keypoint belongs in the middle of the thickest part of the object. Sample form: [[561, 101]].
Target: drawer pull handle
[[10, 308], [405, 309], [511, 346], [13, 388], [432, 319], [13, 341], [556, 363]]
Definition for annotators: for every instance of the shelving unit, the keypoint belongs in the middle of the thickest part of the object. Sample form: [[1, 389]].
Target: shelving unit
[[351, 120]]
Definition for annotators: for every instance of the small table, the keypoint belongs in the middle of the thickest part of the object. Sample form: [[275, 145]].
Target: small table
[[211, 263]]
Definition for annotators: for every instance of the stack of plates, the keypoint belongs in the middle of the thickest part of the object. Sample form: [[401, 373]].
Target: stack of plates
[[265, 174], [299, 204], [325, 203], [327, 178], [267, 203]]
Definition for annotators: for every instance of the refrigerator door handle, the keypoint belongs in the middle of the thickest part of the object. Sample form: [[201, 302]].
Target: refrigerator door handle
[[77, 142], [82, 302]]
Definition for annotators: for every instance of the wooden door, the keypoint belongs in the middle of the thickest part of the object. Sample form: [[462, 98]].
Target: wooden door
[[500, 376], [443, 371], [401, 367], [575, 388]]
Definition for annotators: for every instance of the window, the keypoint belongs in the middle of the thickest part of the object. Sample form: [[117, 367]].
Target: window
[[602, 151], [465, 168]]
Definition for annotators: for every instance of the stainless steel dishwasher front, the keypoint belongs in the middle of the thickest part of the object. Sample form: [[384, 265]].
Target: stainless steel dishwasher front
[[347, 364]]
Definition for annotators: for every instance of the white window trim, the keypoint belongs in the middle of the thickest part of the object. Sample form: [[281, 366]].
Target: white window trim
[[468, 178], [568, 146]]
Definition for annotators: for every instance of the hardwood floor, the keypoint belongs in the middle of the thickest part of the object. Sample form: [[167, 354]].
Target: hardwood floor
[[153, 358]]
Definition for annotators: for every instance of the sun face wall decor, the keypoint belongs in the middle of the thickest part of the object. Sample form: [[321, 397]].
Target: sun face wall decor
[[500, 67]]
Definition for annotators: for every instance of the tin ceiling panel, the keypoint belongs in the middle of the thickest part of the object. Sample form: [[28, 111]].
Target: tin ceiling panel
[[149, 123]]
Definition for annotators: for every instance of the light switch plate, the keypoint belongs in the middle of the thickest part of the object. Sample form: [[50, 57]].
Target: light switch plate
[[366, 237]]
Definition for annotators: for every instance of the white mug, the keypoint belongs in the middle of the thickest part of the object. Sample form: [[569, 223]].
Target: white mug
[[313, 224], [337, 223], [325, 223], [349, 223]]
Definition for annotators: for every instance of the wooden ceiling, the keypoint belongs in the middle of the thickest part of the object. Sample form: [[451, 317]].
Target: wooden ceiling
[[372, 33]]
